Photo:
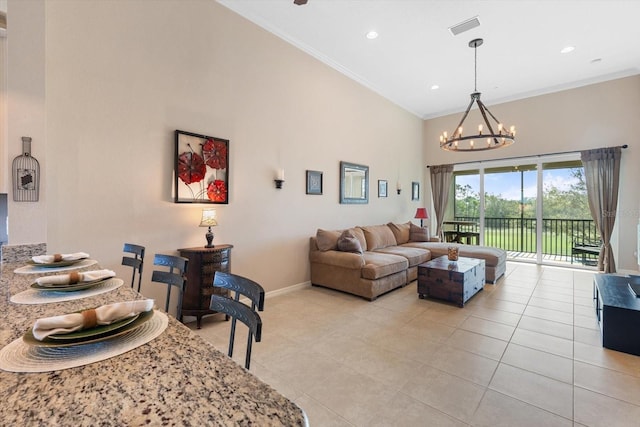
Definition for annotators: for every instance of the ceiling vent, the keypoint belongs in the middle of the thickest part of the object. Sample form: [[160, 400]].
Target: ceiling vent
[[465, 26]]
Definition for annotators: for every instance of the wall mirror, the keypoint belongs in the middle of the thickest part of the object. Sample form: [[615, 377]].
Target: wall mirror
[[354, 183]]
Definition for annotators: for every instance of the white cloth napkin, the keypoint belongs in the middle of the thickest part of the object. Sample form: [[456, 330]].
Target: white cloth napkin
[[65, 279], [48, 259], [105, 315]]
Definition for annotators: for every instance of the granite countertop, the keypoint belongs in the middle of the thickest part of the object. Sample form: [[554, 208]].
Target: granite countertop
[[176, 379]]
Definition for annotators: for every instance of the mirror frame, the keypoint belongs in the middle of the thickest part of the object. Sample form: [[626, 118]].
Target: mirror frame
[[353, 200]]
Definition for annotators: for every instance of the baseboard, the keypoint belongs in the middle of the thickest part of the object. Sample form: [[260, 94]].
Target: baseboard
[[288, 289]]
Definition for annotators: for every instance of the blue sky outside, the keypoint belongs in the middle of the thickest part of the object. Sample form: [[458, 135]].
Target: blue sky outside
[[507, 184]]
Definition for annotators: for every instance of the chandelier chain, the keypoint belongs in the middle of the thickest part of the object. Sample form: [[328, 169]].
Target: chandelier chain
[[475, 68]]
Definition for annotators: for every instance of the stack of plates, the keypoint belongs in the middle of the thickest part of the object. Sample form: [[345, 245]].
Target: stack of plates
[[92, 335], [69, 288]]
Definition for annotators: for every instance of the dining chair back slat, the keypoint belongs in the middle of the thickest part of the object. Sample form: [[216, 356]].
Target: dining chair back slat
[[136, 261], [247, 288], [242, 312], [241, 286], [176, 276]]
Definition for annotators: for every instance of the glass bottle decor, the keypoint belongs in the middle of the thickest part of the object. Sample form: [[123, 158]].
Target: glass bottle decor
[[26, 175]]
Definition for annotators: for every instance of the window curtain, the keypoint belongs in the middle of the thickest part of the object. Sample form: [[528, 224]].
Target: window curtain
[[440, 182], [602, 177]]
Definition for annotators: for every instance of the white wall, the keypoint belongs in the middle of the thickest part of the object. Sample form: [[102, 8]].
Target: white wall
[[122, 76], [26, 111], [600, 115]]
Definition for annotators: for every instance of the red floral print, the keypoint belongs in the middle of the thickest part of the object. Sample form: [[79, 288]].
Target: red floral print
[[217, 191], [191, 167], [215, 154]]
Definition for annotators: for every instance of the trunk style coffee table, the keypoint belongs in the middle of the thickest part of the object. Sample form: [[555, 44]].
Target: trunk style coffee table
[[453, 281]]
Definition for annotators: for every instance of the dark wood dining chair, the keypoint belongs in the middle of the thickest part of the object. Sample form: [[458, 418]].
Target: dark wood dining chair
[[246, 288], [176, 276], [136, 261], [244, 313]]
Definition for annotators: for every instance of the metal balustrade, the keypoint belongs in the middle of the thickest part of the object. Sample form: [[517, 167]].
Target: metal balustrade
[[518, 235]]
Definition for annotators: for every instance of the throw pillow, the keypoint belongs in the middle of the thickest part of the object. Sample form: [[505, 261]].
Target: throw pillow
[[327, 240], [418, 234], [347, 242], [400, 231], [378, 237], [357, 231]]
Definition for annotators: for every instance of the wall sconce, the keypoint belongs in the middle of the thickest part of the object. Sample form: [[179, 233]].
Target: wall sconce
[[208, 220], [398, 187], [421, 214], [279, 178]]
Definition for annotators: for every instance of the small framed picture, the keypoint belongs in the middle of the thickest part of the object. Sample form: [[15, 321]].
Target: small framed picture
[[415, 191], [382, 188], [314, 182]]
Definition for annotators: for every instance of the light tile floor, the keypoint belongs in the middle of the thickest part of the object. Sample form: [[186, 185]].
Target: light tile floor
[[523, 352]]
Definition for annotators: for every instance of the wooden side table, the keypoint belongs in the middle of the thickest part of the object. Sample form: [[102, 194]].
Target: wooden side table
[[203, 263]]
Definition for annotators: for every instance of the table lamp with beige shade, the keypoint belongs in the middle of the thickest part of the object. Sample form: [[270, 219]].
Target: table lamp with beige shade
[[209, 220]]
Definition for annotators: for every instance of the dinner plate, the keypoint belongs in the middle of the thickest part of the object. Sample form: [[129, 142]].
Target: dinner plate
[[68, 288], [92, 335], [54, 264], [97, 331]]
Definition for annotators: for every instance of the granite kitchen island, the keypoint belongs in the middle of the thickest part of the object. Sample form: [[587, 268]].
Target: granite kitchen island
[[175, 379]]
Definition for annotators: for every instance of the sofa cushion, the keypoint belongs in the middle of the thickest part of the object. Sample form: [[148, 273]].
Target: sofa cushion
[[492, 256], [414, 255], [418, 234], [400, 232], [348, 242], [378, 236], [327, 240], [357, 231], [377, 265]]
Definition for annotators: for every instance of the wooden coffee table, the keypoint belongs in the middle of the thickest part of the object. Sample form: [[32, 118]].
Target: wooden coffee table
[[453, 281]]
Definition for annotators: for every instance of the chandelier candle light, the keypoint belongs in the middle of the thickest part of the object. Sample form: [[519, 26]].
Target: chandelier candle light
[[487, 138], [279, 178], [209, 220]]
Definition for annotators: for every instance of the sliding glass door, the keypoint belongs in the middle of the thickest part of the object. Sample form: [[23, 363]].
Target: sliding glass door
[[510, 197], [535, 210]]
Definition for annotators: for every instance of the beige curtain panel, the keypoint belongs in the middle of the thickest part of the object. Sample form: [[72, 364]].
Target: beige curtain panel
[[602, 176], [440, 182]]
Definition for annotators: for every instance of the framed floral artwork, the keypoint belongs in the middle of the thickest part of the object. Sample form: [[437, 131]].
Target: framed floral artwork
[[201, 169], [314, 182]]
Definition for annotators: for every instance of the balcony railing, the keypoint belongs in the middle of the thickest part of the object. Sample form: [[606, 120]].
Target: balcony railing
[[559, 236]]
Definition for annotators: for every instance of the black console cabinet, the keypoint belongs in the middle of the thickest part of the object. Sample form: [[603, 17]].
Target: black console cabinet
[[618, 312]]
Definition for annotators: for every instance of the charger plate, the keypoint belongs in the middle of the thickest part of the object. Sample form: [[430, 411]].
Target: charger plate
[[54, 264], [67, 288], [19, 356], [39, 269], [87, 336], [36, 296]]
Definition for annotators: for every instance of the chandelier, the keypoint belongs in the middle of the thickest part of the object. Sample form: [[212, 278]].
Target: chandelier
[[489, 136]]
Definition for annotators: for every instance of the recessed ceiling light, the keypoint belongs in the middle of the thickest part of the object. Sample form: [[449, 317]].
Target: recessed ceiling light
[[435, 87], [567, 49], [372, 35]]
